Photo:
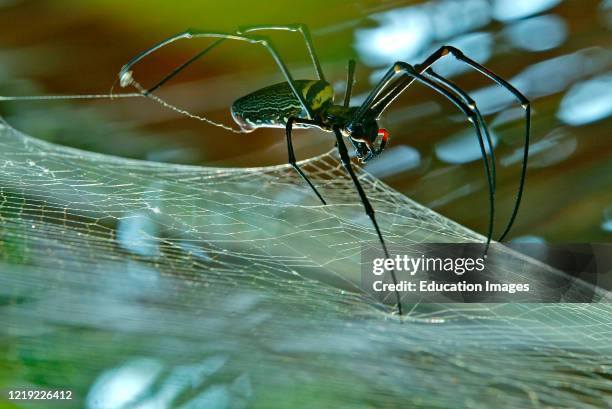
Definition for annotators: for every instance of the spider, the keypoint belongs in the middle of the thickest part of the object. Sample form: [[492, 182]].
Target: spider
[[310, 104]]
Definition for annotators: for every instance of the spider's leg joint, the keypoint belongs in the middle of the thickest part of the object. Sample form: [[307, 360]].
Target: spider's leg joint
[[453, 50], [295, 27], [255, 39], [408, 68], [125, 77], [470, 102]]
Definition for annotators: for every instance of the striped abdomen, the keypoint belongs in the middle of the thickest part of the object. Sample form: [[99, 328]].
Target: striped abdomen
[[272, 106]]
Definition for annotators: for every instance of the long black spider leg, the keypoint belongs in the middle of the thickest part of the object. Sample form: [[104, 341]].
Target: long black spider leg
[[346, 162], [350, 78], [303, 30], [491, 176], [398, 89], [125, 74], [401, 68], [373, 96], [526, 106], [380, 103], [295, 27], [291, 153], [472, 104], [184, 65]]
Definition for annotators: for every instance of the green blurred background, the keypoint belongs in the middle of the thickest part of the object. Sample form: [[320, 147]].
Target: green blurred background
[[556, 52]]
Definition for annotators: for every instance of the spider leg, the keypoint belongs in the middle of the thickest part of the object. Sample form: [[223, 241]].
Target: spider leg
[[373, 98], [465, 98], [491, 176], [181, 67], [350, 78], [302, 29], [295, 27], [125, 74], [526, 106], [292, 160], [401, 68], [445, 50], [346, 162], [471, 104]]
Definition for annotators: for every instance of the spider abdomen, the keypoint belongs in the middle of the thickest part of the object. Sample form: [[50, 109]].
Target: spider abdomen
[[272, 106]]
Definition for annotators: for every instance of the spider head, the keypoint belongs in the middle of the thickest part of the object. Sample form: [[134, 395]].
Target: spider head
[[368, 140]]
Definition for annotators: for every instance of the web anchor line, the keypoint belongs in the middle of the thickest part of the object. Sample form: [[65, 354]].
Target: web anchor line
[[145, 93], [142, 93], [76, 96]]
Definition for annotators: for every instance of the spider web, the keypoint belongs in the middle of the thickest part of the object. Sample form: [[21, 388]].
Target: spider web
[[215, 287]]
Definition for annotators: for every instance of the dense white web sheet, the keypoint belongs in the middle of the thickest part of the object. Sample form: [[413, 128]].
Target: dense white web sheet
[[236, 287]]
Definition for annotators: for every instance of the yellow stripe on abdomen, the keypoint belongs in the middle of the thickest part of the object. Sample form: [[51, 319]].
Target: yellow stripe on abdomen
[[324, 96], [307, 87]]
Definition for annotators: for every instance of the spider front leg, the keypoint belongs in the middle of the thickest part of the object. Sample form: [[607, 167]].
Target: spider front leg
[[125, 76], [382, 103], [346, 162], [374, 107], [350, 78], [292, 160], [458, 54], [472, 105], [526, 106], [303, 30], [184, 65]]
